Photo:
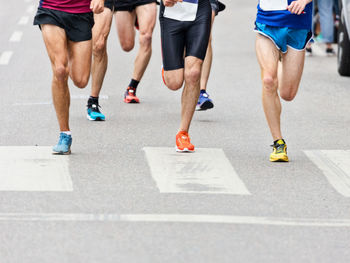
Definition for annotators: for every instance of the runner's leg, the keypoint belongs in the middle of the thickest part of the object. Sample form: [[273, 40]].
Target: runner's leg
[[190, 94], [292, 70], [56, 44], [80, 62], [125, 22], [146, 15], [208, 59], [268, 57], [100, 33]]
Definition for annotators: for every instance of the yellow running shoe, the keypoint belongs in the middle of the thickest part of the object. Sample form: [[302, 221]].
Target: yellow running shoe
[[279, 153]]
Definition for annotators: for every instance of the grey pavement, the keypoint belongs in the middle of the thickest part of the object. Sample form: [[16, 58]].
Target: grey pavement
[[111, 176]]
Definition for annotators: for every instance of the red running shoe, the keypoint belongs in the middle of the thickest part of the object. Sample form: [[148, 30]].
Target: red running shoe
[[183, 143], [130, 96]]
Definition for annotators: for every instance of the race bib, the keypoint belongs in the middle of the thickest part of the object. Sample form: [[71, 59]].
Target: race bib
[[273, 5], [182, 11]]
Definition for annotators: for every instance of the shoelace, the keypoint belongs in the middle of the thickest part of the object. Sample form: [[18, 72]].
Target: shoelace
[[279, 147], [96, 108]]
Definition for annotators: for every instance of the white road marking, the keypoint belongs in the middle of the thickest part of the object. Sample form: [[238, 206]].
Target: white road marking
[[32, 103], [27, 168], [27, 1], [24, 20], [30, 9], [16, 36], [335, 165], [85, 97], [5, 57], [207, 171], [177, 218]]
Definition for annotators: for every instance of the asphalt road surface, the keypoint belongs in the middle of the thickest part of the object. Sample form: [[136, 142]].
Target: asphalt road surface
[[124, 195]]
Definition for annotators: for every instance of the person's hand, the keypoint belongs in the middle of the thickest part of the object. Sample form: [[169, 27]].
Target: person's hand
[[170, 3], [97, 6], [297, 7]]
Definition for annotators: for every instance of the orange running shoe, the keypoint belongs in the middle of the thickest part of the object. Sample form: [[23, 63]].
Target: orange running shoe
[[183, 143], [163, 77], [130, 96]]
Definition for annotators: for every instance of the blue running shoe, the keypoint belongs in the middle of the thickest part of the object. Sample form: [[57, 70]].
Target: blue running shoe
[[93, 111], [204, 103], [63, 145]]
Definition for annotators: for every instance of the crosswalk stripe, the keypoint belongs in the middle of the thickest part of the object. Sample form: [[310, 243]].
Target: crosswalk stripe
[[335, 165], [208, 171], [5, 57], [28, 168], [176, 218]]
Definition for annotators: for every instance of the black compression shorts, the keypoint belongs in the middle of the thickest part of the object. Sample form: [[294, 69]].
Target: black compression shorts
[[126, 5], [215, 6], [191, 37], [77, 26]]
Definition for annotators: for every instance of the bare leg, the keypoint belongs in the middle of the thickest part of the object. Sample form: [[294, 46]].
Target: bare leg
[[125, 22], [100, 34], [146, 15], [208, 60], [57, 48], [190, 94], [268, 56]]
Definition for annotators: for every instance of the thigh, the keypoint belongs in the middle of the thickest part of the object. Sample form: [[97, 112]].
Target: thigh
[[173, 43], [292, 70], [267, 54], [125, 22], [198, 34], [55, 39], [102, 26], [79, 59], [146, 16]]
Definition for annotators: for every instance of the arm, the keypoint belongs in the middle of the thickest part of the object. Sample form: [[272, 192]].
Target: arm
[[170, 3], [297, 7], [97, 6]]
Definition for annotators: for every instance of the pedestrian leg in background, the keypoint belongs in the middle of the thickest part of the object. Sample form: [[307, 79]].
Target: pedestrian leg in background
[[325, 9]]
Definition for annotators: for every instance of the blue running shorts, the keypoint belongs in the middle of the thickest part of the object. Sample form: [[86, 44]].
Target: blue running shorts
[[284, 37]]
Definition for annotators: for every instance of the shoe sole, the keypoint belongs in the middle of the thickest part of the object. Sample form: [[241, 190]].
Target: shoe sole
[[133, 101], [97, 119], [283, 159], [62, 153], [184, 150], [205, 106]]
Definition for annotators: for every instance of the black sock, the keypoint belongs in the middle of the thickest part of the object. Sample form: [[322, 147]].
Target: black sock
[[93, 100], [134, 83], [203, 91]]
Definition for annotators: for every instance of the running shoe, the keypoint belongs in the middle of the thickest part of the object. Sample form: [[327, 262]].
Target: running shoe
[[308, 51], [93, 111], [279, 153], [330, 52], [183, 143], [63, 145], [163, 77], [137, 24], [204, 103], [130, 96]]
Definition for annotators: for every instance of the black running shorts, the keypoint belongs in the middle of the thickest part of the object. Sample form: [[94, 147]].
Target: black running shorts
[[191, 37], [126, 5], [215, 6], [77, 26]]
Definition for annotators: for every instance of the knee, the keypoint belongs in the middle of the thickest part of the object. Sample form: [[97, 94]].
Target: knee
[[61, 72], [127, 45], [288, 95], [81, 82], [174, 84], [192, 75], [270, 83], [146, 39], [99, 47]]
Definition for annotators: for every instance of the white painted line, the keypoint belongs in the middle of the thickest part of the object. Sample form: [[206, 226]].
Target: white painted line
[[5, 57], [32, 103], [177, 218], [24, 20], [16, 36], [207, 171], [28, 1], [30, 8], [335, 165], [85, 97], [33, 169]]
